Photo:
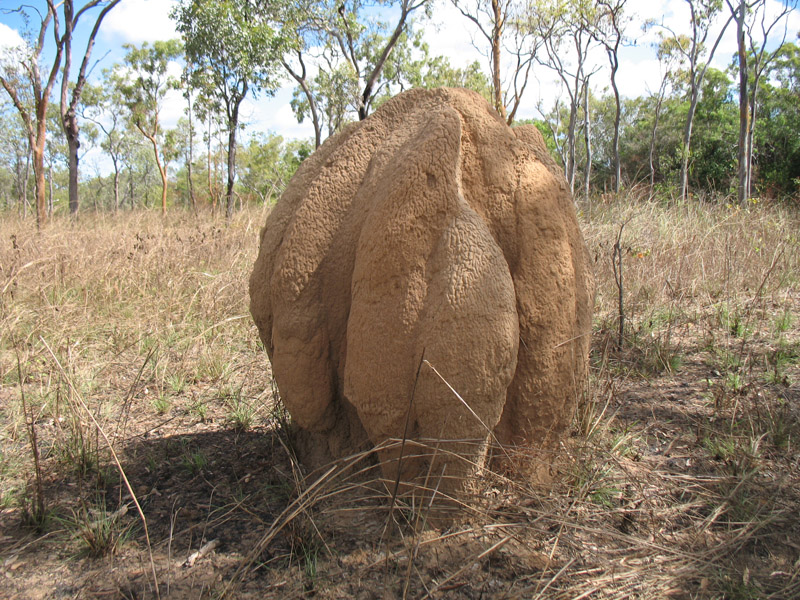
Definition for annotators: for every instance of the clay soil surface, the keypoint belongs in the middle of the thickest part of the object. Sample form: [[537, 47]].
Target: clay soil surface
[[680, 477]]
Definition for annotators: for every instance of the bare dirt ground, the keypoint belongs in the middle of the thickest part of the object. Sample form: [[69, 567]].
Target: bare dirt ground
[[681, 477]]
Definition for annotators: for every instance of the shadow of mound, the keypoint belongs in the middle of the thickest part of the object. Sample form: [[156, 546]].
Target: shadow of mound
[[220, 485]]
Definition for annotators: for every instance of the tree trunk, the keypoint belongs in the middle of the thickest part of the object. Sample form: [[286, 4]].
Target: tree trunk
[[162, 169], [587, 132], [163, 172], [656, 116], [50, 191], [189, 180], [231, 172], [750, 134], [130, 185], [38, 164], [744, 109], [211, 195], [617, 116], [687, 139], [497, 32], [573, 117], [300, 78], [73, 143], [366, 95], [69, 122], [233, 124], [116, 185], [25, 201]]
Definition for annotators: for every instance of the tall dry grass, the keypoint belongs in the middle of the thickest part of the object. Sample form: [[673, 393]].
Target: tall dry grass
[[150, 316], [132, 306], [694, 255]]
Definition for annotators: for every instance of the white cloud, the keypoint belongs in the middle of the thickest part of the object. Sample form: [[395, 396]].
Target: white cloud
[[137, 21], [9, 38], [12, 48], [275, 115], [451, 34]]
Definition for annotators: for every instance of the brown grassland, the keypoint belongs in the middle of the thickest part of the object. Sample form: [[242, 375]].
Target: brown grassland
[[144, 452]]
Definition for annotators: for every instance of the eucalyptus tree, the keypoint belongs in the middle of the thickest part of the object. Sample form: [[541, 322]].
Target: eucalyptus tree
[[703, 15], [234, 47], [506, 28], [568, 33], [146, 82], [348, 42], [610, 32], [669, 58], [71, 92], [15, 159], [102, 107], [754, 26], [22, 78]]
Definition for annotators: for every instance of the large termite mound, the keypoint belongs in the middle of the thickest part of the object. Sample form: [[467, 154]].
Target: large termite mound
[[423, 278]]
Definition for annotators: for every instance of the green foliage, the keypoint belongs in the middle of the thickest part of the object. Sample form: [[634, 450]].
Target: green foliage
[[713, 155], [268, 163], [335, 91], [148, 82], [777, 146], [231, 46]]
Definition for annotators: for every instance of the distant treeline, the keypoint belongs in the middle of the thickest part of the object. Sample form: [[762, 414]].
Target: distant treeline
[[704, 132]]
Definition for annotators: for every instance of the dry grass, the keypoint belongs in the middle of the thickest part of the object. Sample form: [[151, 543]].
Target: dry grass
[[681, 477]]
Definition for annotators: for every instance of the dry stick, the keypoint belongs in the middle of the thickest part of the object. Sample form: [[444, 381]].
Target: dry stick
[[31, 425], [297, 507], [129, 396], [173, 517], [556, 576], [480, 556], [413, 557], [469, 408], [402, 449], [775, 258], [117, 462], [616, 262]]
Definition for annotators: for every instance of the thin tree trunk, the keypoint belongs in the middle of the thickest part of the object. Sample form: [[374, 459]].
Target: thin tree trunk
[[116, 185], [162, 169], [189, 180], [38, 168], [617, 117], [233, 125], [50, 190], [300, 78], [69, 119], [229, 199], [366, 95], [573, 117], [750, 136], [25, 201], [71, 133], [587, 133], [687, 138], [696, 83], [208, 170], [497, 32], [656, 116], [130, 185], [744, 109]]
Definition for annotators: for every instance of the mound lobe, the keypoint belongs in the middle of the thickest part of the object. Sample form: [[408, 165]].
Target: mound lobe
[[423, 277]]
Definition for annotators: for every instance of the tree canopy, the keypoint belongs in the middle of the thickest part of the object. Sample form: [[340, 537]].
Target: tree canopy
[[703, 131]]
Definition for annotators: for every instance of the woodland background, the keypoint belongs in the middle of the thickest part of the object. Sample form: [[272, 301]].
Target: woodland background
[[717, 134]]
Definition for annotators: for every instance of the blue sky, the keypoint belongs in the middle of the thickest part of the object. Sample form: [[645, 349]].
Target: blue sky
[[449, 34]]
